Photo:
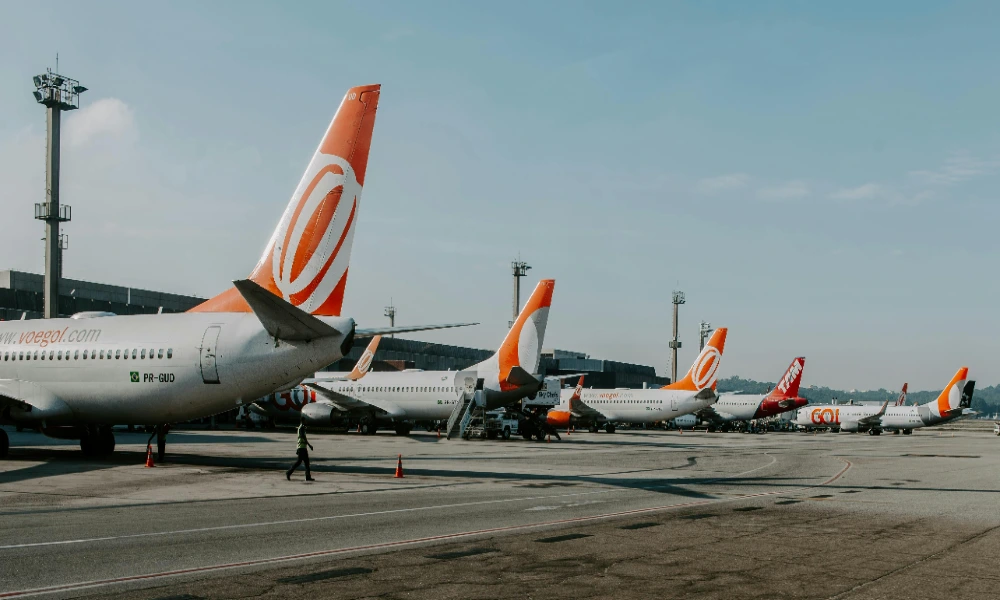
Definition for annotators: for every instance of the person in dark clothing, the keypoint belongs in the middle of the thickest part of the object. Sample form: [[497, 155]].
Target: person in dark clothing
[[303, 454]]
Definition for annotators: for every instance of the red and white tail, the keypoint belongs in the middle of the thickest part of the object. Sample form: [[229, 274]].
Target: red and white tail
[[702, 373], [365, 362], [788, 387], [901, 401], [522, 347], [306, 261]]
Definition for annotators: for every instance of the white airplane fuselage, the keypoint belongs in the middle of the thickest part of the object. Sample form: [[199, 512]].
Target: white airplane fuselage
[[150, 369], [410, 395], [895, 417], [639, 405]]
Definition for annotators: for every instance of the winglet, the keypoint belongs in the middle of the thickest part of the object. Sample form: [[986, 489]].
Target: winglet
[[365, 362], [701, 375], [282, 320]]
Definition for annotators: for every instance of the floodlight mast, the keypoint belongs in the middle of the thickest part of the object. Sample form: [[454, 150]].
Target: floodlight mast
[[677, 299], [390, 311], [519, 268], [57, 93]]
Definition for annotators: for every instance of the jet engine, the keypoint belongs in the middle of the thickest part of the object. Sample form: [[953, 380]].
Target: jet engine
[[318, 414], [850, 426]]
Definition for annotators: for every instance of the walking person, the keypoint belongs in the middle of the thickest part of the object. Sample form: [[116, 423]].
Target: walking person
[[302, 453]]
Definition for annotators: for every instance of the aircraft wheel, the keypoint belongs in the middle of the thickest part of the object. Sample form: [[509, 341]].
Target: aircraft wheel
[[402, 429], [610, 428], [895, 432], [87, 443], [594, 428], [4, 444], [907, 431], [367, 428]]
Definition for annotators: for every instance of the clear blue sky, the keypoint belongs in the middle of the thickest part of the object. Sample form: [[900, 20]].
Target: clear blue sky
[[820, 177]]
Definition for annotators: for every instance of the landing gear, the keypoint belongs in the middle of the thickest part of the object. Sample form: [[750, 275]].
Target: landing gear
[[4, 444], [594, 428], [610, 428], [874, 432], [97, 441], [403, 429], [368, 428], [907, 431], [540, 436]]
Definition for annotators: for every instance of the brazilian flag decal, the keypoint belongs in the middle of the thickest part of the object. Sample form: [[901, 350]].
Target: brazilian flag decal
[[135, 376]]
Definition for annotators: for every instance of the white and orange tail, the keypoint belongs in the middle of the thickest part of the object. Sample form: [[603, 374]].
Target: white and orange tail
[[788, 387], [306, 261], [365, 362], [521, 350], [951, 398], [901, 401], [702, 373]]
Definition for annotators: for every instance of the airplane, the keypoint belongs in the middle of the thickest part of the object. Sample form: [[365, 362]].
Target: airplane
[[404, 397], [691, 394], [286, 406], [75, 378], [951, 403], [732, 407]]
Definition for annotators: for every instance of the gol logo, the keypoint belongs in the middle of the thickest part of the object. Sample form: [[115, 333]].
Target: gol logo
[[365, 361], [825, 416], [293, 399], [703, 371], [312, 231]]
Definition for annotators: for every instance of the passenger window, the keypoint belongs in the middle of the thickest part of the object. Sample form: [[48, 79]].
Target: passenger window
[[35, 357], [170, 352], [102, 354], [85, 355], [143, 355], [151, 353], [59, 355], [76, 355], [159, 354], [52, 354], [134, 353], [118, 354]]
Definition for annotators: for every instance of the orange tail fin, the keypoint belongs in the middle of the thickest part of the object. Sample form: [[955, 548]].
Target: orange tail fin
[[701, 375], [307, 258]]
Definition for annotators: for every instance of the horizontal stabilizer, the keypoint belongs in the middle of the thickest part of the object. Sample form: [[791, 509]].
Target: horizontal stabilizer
[[366, 333], [520, 377], [282, 320]]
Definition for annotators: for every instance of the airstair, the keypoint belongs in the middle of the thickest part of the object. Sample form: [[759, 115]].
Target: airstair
[[471, 405]]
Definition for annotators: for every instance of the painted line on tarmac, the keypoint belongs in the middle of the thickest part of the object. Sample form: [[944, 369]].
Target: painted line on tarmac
[[332, 517], [68, 587]]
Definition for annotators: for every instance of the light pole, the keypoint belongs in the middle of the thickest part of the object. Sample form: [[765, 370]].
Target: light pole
[[390, 311], [57, 93], [677, 300], [519, 268], [704, 329]]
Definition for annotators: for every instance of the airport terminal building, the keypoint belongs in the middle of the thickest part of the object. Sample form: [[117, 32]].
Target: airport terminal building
[[21, 296]]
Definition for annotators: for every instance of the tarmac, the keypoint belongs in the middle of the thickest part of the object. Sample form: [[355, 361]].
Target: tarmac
[[633, 514]]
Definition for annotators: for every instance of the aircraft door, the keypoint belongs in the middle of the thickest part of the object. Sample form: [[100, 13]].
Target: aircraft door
[[209, 352], [673, 404]]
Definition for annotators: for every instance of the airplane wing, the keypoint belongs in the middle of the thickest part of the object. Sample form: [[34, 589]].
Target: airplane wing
[[582, 410], [365, 333], [10, 398], [347, 403], [279, 318], [876, 418]]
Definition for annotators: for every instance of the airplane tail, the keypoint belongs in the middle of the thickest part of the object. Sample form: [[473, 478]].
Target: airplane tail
[[521, 350], [702, 373], [901, 401], [307, 258], [952, 397], [788, 387], [365, 362]]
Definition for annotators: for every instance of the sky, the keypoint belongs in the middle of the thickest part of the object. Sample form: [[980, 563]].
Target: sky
[[821, 178]]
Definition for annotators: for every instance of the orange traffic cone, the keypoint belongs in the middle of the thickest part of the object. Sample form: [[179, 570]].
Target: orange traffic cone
[[548, 438], [439, 432], [680, 430], [359, 427], [149, 456], [399, 466], [568, 430]]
